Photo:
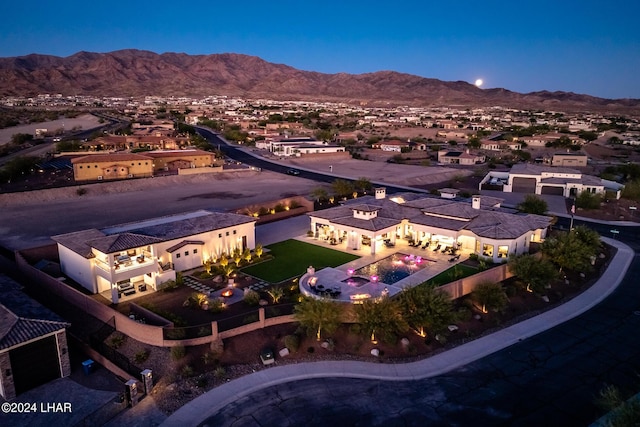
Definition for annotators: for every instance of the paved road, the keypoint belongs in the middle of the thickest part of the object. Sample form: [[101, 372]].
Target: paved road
[[551, 379]]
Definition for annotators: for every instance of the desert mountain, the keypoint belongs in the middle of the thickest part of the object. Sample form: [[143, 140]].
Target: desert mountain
[[136, 73]]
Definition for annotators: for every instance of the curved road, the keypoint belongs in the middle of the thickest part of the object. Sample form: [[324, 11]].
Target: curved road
[[551, 379], [242, 156]]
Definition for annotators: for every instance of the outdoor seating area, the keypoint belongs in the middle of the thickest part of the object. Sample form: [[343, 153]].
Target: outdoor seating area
[[329, 292]]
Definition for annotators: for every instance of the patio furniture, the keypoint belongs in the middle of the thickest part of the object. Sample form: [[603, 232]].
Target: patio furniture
[[426, 245], [437, 248]]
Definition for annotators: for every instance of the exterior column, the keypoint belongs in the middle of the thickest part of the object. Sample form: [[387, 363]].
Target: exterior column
[[7, 387], [114, 293]]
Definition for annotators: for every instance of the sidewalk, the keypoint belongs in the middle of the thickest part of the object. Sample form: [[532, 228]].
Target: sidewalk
[[208, 404]]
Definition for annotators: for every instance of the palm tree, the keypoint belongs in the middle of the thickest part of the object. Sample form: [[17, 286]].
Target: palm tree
[[316, 315], [276, 293], [381, 317], [247, 255], [258, 250], [426, 307], [228, 270], [224, 261]]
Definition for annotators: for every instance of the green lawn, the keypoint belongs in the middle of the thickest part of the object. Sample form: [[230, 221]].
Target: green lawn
[[292, 258], [456, 272]]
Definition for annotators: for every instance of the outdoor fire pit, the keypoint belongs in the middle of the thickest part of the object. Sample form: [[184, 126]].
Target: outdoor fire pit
[[227, 293]]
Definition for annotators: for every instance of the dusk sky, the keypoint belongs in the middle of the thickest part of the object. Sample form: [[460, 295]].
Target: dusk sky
[[588, 46]]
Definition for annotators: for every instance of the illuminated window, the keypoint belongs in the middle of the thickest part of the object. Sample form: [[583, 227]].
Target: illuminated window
[[487, 250], [477, 245], [503, 251]]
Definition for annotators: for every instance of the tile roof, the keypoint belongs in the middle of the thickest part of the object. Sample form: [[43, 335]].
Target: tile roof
[[78, 241], [439, 213], [121, 242], [104, 158], [23, 330], [183, 244], [178, 153], [22, 318], [186, 227], [530, 169]]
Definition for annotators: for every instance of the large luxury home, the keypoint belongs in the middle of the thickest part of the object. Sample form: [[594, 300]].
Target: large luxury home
[[124, 258], [482, 226]]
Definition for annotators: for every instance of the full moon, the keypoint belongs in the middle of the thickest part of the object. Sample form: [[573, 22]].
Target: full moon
[[479, 82]]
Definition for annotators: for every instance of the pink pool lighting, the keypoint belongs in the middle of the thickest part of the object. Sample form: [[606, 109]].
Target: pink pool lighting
[[374, 278], [350, 272], [412, 259]]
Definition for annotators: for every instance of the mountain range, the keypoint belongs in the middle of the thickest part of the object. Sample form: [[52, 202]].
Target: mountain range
[[136, 73]]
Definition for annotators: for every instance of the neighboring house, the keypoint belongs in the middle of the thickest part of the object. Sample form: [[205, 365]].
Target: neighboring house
[[128, 142], [33, 342], [480, 226], [111, 166], [536, 179], [288, 147], [569, 160], [394, 145], [454, 157], [150, 252], [497, 145], [128, 165]]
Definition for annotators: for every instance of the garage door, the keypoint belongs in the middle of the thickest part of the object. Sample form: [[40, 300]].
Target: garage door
[[34, 364], [524, 185], [559, 191]]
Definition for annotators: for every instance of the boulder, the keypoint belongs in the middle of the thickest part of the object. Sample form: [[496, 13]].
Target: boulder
[[284, 352], [375, 352]]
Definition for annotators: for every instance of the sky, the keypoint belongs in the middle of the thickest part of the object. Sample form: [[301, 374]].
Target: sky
[[588, 47]]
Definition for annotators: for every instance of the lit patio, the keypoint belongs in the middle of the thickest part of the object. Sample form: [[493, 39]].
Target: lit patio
[[342, 283]]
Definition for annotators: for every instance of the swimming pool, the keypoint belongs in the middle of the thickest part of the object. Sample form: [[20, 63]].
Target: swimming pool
[[393, 268]]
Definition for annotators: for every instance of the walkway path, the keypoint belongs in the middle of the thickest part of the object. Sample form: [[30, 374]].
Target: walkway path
[[209, 404]]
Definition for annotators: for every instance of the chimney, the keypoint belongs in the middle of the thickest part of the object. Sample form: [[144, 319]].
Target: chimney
[[381, 193], [475, 202]]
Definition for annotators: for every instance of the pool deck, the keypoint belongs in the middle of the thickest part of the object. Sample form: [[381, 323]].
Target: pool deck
[[332, 278]]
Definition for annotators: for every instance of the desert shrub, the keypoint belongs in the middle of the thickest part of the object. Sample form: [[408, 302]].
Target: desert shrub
[[141, 356], [186, 371], [251, 297], [311, 349], [293, 204], [219, 372], [178, 352], [279, 207], [292, 342], [209, 358], [81, 191], [587, 200], [117, 340], [216, 306]]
